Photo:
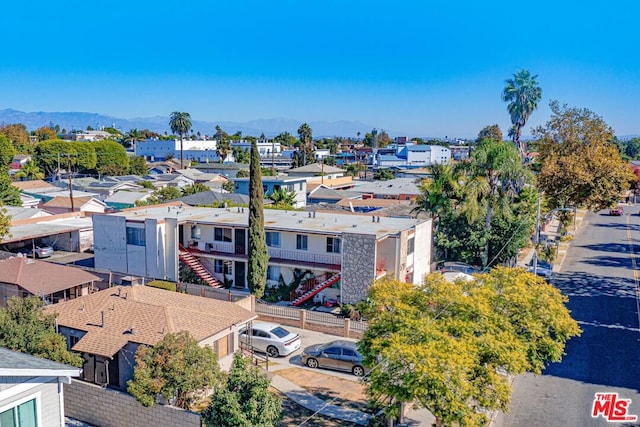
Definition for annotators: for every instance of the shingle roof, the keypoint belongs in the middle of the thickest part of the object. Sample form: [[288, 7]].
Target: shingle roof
[[13, 363], [30, 185], [65, 202], [144, 315], [39, 277]]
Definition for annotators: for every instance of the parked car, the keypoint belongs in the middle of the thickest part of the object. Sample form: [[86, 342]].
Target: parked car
[[543, 269], [339, 355], [616, 211], [271, 339], [38, 251], [458, 266]]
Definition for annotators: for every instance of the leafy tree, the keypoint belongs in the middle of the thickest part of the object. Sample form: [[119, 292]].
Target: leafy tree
[[242, 173], [175, 368], [45, 133], [451, 347], [383, 139], [285, 139], [283, 198], [198, 187], [245, 399], [491, 132], [138, 166], [30, 170], [523, 93], [7, 152], [147, 184], [383, 175], [632, 148], [579, 164], [26, 328], [111, 158], [257, 253], [229, 187], [56, 153], [180, 123], [354, 169], [371, 138], [133, 136], [19, 137], [241, 156], [111, 130], [330, 161], [9, 194]]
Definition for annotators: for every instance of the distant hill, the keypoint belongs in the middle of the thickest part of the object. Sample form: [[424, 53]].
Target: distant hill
[[270, 127]]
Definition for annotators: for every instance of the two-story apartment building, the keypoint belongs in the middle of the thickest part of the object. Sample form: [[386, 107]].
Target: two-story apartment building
[[297, 186], [343, 251]]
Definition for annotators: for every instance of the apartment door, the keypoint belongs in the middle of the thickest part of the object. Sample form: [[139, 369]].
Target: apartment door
[[239, 274], [241, 241]]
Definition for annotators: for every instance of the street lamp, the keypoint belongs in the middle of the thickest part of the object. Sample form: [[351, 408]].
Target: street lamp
[[536, 236]]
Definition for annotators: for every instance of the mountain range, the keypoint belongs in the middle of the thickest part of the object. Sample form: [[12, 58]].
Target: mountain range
[[160, 124]]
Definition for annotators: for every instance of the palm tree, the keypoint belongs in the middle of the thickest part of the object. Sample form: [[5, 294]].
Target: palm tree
[[30, 170], [180, 123], [283, 198], [523, 94]]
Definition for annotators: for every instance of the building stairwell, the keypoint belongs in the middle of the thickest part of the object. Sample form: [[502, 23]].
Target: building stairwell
[[196, 266], [312, 286]]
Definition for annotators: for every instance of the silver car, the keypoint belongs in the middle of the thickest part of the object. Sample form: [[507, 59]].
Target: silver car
[[271, 339], [339, 355]]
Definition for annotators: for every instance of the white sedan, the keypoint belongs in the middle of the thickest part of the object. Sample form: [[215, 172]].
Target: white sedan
[[271, 339]]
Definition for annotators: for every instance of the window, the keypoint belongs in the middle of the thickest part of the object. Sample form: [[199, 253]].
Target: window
[[333, 245], [222, 234], [301, 242], [23, 415], [273, 273], [300, 186], [136, 236], [273, 239], [222, 267], [411, 244]]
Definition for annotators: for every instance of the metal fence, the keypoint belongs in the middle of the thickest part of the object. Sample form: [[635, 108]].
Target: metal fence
[[278, 311], [325, 318]]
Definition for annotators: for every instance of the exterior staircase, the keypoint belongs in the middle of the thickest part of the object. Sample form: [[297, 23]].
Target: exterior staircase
[[196, 266], [312, 286]]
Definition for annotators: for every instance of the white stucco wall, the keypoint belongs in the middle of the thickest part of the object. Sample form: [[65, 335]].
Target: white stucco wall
[[110, 242], [422, 252]]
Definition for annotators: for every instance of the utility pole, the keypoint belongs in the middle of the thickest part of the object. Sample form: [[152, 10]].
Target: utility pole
[[536, 238], [70, 182]]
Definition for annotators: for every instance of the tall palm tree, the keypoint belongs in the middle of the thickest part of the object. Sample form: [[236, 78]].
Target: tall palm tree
[[523, 94], [180, 123]]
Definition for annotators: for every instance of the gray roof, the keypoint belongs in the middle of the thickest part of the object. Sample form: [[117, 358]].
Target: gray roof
[[391, 187], [207, 198], [127, 197], [20, 364], [222, 166], [323, 192], [18, 213]]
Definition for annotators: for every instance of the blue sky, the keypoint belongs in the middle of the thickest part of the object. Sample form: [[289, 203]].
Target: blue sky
[[412, 67]]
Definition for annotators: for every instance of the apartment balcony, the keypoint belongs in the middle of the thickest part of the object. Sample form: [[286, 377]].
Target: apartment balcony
[[211, 247], [332, 261]]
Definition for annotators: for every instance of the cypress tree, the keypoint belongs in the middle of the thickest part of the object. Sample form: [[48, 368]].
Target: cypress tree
[[258, 255]]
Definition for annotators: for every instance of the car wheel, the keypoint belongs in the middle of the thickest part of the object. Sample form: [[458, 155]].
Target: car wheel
[[272, 351], [358, 371], [312, 363]]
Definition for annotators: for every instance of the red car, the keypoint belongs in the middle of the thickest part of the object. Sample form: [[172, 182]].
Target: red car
[[616, 211]]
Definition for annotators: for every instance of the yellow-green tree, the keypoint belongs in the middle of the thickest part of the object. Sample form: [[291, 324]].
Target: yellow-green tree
[[450, 347], [580, 164]]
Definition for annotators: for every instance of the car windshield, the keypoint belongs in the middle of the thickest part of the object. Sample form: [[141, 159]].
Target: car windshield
[[279, 332]]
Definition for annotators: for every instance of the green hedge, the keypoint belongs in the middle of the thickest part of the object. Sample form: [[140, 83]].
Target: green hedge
[[170, 286]]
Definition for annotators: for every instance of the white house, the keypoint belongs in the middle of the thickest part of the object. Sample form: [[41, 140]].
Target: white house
[[339, 254], [412, 155], [31, 390], [297, 186], [202, 150], [265, 148]]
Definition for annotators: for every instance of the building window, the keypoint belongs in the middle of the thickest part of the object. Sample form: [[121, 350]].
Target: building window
[[273, 239], [333, 245], [222, 267], [136, 236], [23, 415], [301, 242], [221, 234], [195, 232], [273, 273], [411, 244], [300, 186]]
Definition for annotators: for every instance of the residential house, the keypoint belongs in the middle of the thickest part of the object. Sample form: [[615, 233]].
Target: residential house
[[60, 204], [71, 231], [412, 155], [104, 187], [19, 160], [29, 201], [17, 213], [229, 170], [108, 326], [126, 199], [265, 148], [398, 189], [202, 150], [22, 276], [34, 187], [31, 390], [210, 198], [201, 177], [324, 194], [349, 251], [297, 186], [316, 170], [460, 152], [170, 180]]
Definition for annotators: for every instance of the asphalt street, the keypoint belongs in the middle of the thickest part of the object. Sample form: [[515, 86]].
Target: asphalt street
[[598, 277]]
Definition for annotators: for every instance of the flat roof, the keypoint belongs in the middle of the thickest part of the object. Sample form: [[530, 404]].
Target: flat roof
[[322, 223], [46, 228], [17, 364]]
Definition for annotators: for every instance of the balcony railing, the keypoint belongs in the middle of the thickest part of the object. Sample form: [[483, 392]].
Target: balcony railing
[[303, 256], [209, 247]]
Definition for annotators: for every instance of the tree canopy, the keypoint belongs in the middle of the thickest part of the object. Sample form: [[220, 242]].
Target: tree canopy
[[24, 327], [244, 400], [450, 347], [176, 368], [491, 132], [579, 163]]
